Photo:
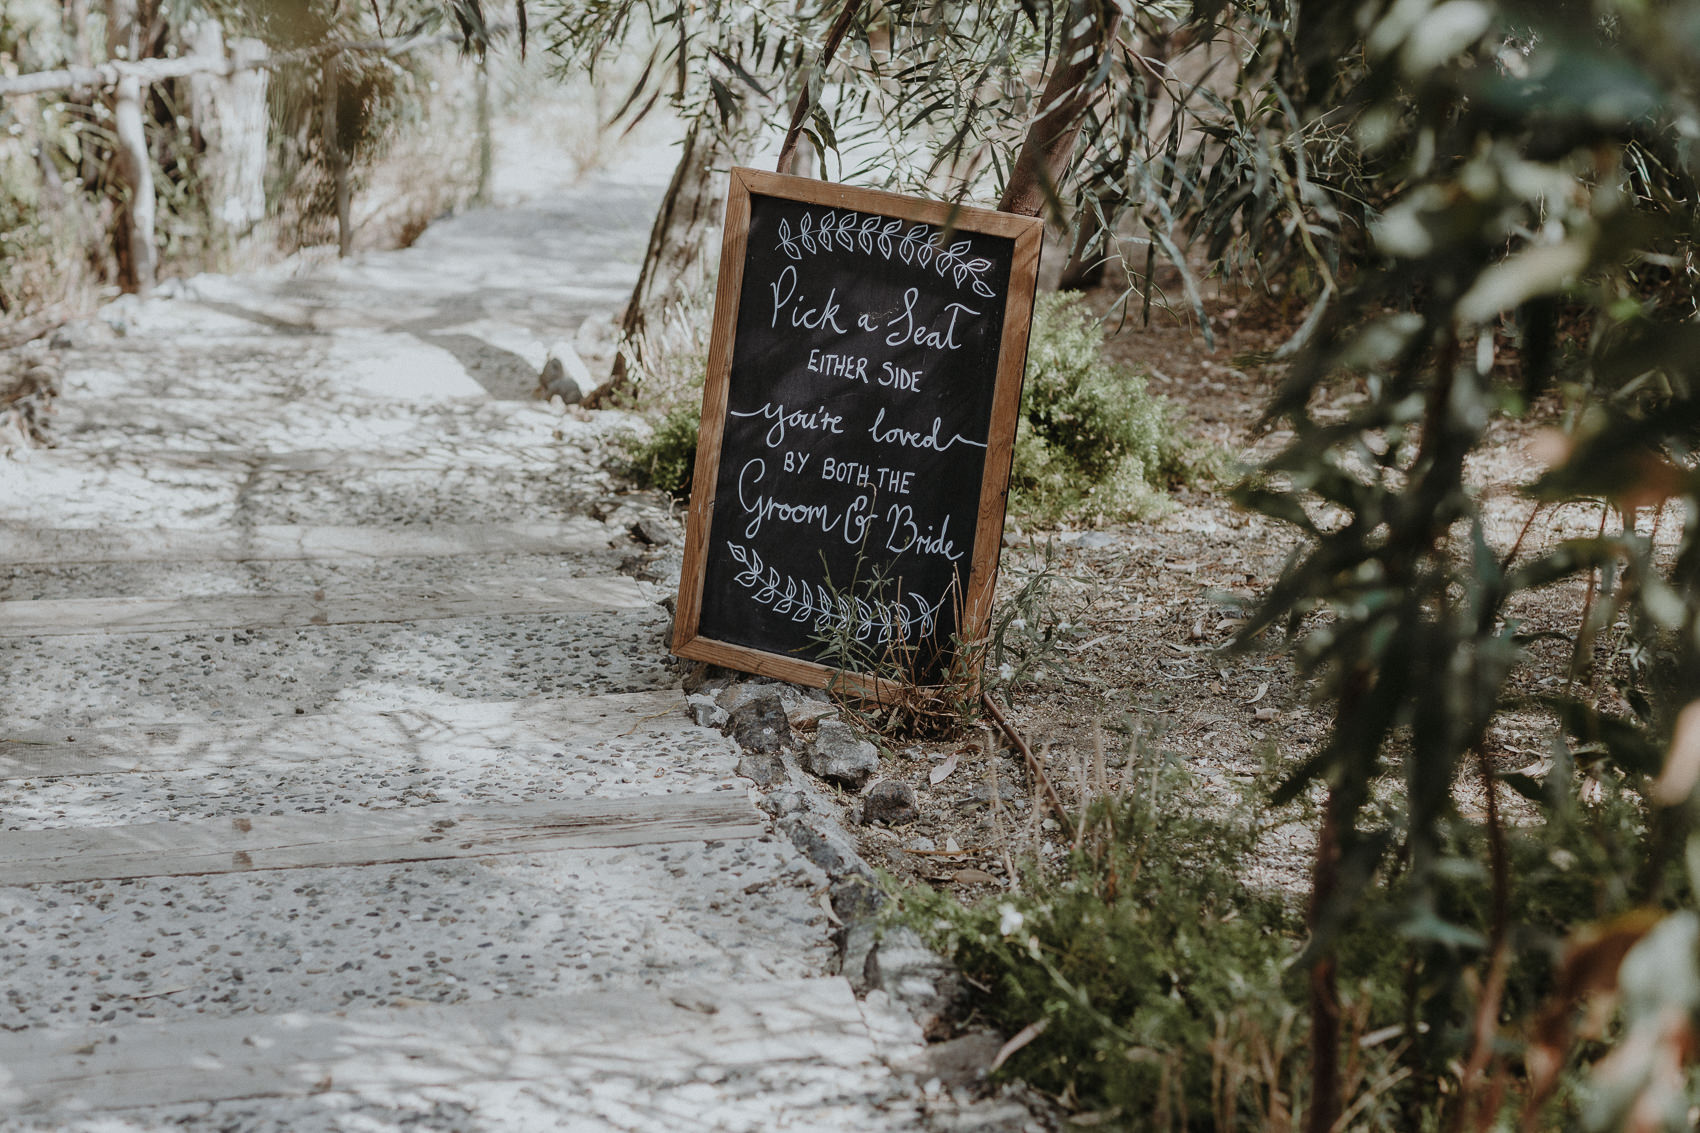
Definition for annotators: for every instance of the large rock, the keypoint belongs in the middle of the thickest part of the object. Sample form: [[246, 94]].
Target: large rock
[[840, 756], [760, 723]]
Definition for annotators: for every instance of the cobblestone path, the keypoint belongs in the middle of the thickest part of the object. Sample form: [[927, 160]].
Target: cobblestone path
[[344, 783]]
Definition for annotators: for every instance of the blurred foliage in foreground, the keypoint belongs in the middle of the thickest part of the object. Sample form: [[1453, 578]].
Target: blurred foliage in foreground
[[1495, 205]]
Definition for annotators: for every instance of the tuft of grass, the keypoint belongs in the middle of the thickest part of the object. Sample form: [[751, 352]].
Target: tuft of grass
[[938, 686], [665, 459], [667, 374], [1093, 443]]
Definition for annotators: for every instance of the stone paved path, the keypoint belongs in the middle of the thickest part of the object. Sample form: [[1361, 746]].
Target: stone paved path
[[344, 785]]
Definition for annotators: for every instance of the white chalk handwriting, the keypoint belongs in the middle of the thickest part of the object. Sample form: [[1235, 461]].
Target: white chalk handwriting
[[910, 438], [818, 419]]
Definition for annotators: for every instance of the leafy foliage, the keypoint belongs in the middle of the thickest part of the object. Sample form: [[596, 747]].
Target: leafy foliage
[[1147, 978], [1092, 443], [1535, 185]]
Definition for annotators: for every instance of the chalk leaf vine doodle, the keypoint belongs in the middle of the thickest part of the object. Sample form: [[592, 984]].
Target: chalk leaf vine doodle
[[802, 601], [921, 244]]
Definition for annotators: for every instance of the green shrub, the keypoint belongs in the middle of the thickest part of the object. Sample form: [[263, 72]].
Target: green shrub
[[1156, 975], [666, 458], [1092, 444]]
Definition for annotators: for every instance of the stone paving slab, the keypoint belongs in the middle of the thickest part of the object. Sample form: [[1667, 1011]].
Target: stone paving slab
[[424, 458], [131, 423], [595, 550], [516, 731], [472, 754], [137, 495], [781, 1055], [327, 939], [351, 836], [357, 362], [21, 546], [54, 617], [79, 680]]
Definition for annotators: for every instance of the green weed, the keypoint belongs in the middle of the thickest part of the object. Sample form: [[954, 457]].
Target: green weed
[[1093, 444], [1148, 976]]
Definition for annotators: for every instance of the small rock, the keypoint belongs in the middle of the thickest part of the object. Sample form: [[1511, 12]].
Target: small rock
[[840, 756], [705, 712], [764, 767], [922, 845], [737, 693], [903, 967], [826, 846], [654, 530], [891, 802], [759, 723], [784, 802], [556, 383], [1092, 540]]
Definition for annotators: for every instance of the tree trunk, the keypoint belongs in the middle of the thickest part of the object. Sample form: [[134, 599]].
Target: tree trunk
[[486, 145], [676, 261], [137, 255], [229, 113], [330, 93], [1048, 148], [135, 170]]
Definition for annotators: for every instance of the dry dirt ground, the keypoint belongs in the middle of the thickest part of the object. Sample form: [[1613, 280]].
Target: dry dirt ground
[[1151, 605]]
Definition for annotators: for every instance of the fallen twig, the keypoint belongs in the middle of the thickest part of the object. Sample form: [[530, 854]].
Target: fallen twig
[[1033, 765]]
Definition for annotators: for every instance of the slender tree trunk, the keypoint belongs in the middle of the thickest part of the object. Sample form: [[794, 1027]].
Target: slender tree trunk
[[135, 169], [486, 146], [674, 262], [229, 112], [337, 159], [1042, 163], [135, 236]]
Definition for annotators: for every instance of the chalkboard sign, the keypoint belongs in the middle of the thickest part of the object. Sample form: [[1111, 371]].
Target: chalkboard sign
[[864, 380]]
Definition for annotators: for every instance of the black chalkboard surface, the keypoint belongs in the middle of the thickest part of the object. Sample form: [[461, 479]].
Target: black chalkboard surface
[[858, 417]]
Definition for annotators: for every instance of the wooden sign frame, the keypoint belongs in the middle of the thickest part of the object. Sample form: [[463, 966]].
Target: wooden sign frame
[[976, 599]]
